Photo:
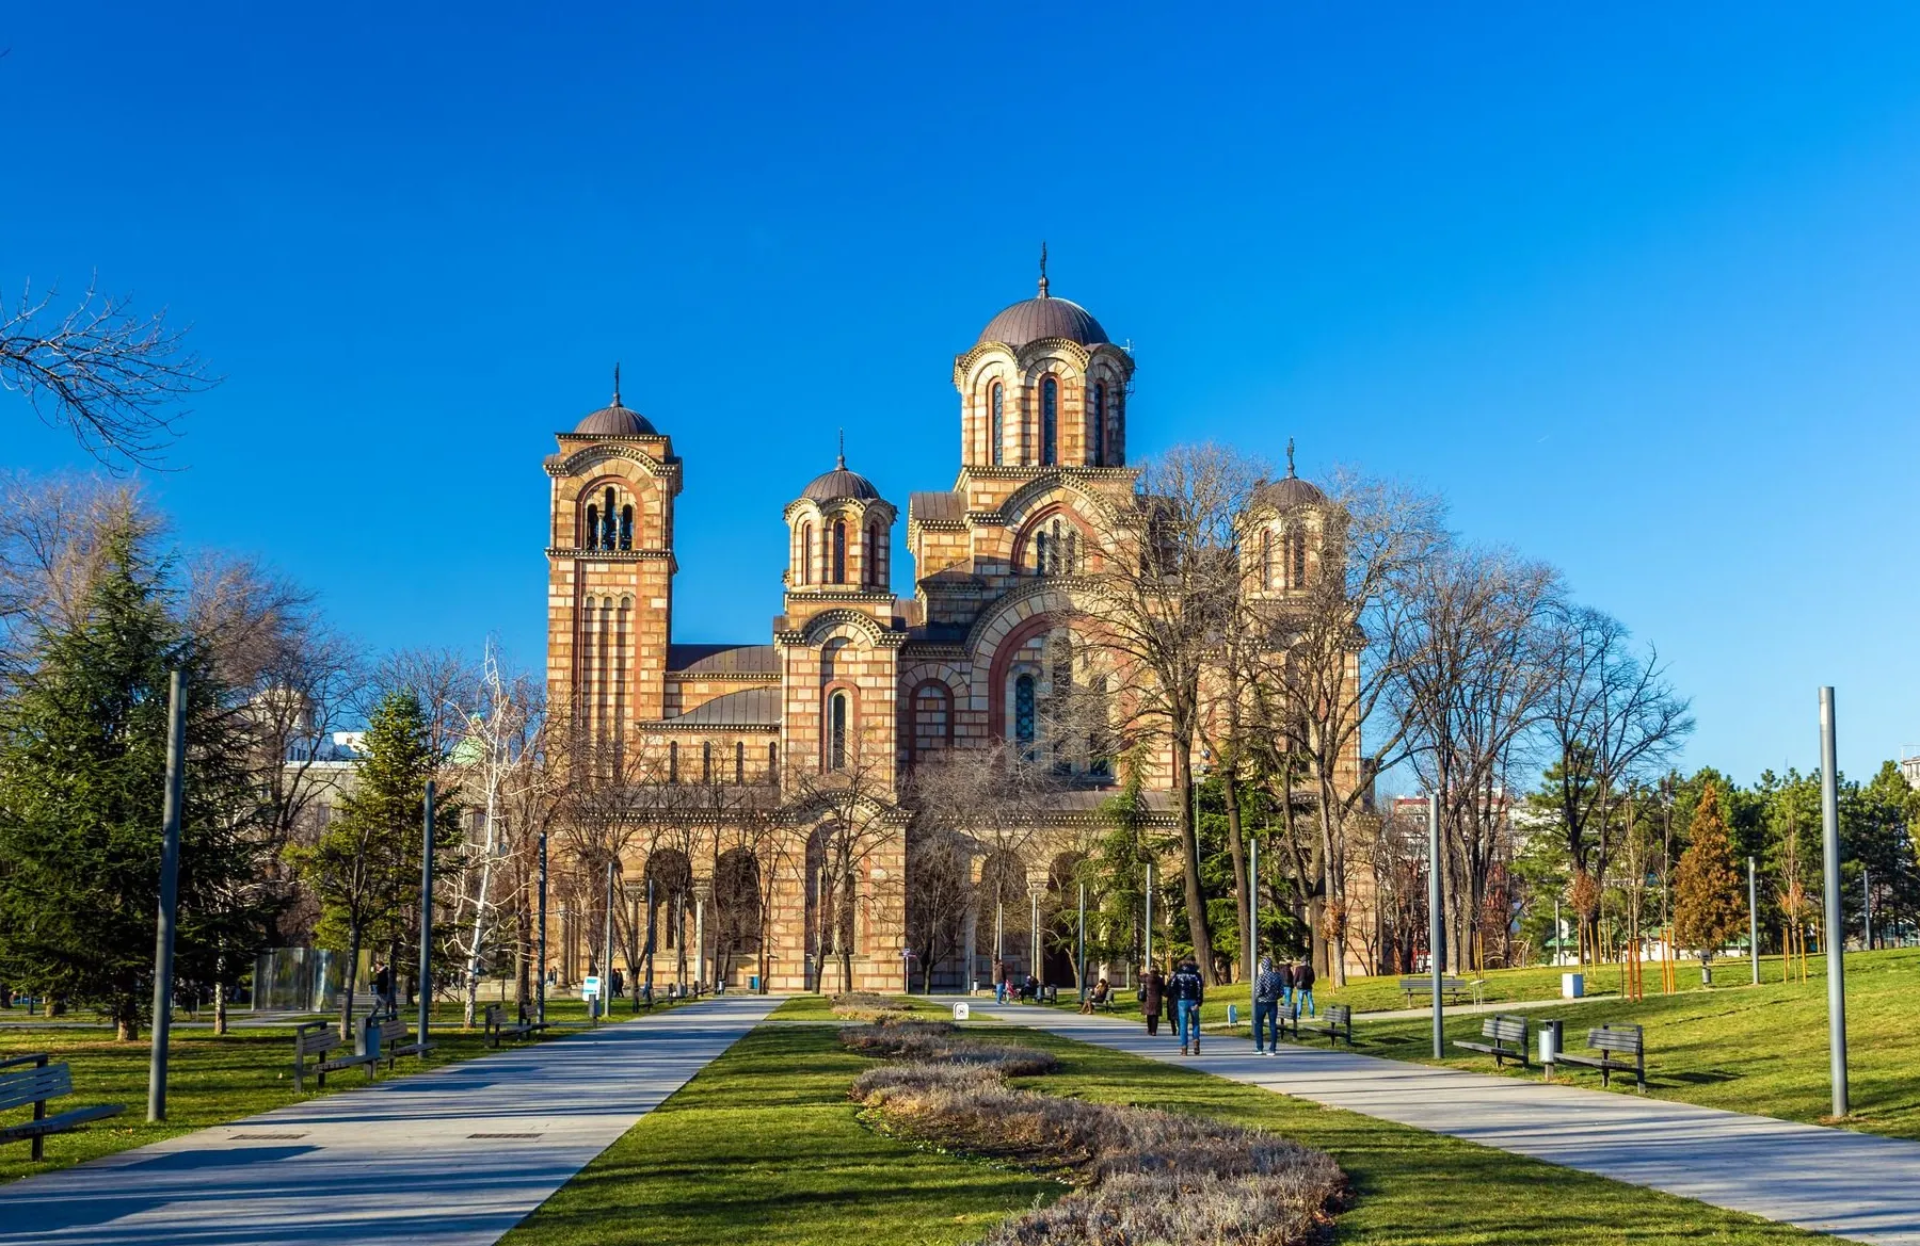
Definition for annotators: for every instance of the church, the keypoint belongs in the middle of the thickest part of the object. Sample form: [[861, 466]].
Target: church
[[853, 678]]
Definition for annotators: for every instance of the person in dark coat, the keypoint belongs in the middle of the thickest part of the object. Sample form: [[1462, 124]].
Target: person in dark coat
[[1303, 988], [1285, 970], [1153, 990], [1266, 1007], [1188, 990]]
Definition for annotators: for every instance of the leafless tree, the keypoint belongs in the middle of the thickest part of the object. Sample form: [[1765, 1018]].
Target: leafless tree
[[1162, 596], [51, 541], [101, 371], [1478, 680], [1341, 646], [446, 682], [853, 813]]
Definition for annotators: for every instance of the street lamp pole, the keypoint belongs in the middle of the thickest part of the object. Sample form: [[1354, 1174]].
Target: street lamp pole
[[169, 894], [1149, 963], [1433, 919], [1835, 935], [1253, 907], [540, 977], [1080, 945], [425, 986], [1753, 921]]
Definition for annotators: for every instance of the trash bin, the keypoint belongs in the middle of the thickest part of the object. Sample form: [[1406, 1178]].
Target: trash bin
[[1549, 1044], [753, 982], [1573, 986], [369, 1037]]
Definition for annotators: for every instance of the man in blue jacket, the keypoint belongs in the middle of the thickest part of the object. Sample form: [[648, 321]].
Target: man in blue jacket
[[1266, 1007], [1187, 991]]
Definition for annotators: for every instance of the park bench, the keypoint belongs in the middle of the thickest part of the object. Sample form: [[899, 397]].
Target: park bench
[[393, 1040], [320, 1039], [1452, 989], [1614, 1043], [1336, 1023], [36, 1084], [1508, 1039], [497, 1025]]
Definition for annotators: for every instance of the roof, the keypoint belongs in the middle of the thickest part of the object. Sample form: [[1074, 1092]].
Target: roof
[[749, 707], [687, 660], [840, 485], [1291, 491], [615, 421], [939, 507], [1033, 319]]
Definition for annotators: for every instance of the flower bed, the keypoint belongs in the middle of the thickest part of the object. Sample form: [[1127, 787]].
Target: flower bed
[[1142, 1176]]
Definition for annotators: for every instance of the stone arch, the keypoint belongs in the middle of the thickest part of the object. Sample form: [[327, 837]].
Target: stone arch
[[670, 916], [1002, 900], [588, 457], [736, 914], [1059, 915], [829, 624]]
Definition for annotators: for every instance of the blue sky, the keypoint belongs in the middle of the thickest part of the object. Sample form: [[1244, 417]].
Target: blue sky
[[1634, 286]]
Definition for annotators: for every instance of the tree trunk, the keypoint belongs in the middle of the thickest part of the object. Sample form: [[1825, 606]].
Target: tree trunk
[[219, 1008], [1196, 898], [1230, 787], [353, 980]]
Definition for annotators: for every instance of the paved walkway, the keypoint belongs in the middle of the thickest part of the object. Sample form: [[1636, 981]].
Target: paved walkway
[[454, 1156], [1855, 1185]]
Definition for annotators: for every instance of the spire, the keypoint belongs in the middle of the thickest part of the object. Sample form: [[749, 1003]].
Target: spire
[[1290, 458], [1043, 268], [616, 382], [842, 464]]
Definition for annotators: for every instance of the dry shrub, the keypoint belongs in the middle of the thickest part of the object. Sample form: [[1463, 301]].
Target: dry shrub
[[866, 1006], [935, 1041], [1159, 1209]]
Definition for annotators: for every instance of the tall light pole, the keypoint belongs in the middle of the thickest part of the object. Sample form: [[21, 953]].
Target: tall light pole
[[426, 909], [1753, 921], [1253, 907], [606, 949], [1433, 918], [1080, 944], [540, 978], [1835, 934], [1149, 915], [169, 894], [1866, 910], [1033, 932]]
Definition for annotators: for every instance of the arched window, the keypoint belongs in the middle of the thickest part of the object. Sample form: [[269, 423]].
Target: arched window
[[873, 556], [840, 552], [806, 553], [1025, 726], [1049, 421], [673, 761], [773, 763], [837, 731], [997, 398], [706, 761], [609, 535], [740, 762], [932, 719], [1073, 552], [1299, 560], [626, 527], [1099, 424], [1040, 553], [593, 526], [1266, 558]]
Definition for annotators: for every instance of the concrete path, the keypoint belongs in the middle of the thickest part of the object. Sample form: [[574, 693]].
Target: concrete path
[[454, 1156], [1854, 1185]]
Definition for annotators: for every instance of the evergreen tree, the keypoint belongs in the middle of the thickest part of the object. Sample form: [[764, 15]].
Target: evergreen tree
[[364, 869], [1707, 903], [83, 746]]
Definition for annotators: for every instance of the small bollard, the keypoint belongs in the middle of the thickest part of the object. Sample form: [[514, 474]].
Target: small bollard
[[1233, 1015], [962, 1011]]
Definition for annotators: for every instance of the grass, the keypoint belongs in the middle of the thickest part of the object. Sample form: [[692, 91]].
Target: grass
[[211, 1081], [820, 1007], [763, 1146], [1745, 1048]]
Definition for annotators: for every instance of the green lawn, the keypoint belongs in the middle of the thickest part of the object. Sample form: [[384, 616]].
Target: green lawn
[[820, 1007], [1746, 1048], [211, 1081], [763, 1147]]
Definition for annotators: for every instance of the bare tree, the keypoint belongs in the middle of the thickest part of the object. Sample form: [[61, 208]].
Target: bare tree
[[1165, 591], [1478, 679], [100, 371], [853, 813], [51, 543], [1341, 644]]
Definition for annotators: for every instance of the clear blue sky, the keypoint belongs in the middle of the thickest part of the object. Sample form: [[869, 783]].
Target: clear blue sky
[[1636, 286]]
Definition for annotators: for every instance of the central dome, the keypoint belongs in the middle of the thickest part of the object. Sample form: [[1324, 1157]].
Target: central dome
[[840, 485], [1033, 319]]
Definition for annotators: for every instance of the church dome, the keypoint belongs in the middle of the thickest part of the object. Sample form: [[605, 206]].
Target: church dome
[[615, 420], [1032, 319], [1290, 491], [840, 485]]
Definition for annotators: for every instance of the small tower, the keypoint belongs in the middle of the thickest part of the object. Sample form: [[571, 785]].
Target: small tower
[[610, 574], [1286, 520]]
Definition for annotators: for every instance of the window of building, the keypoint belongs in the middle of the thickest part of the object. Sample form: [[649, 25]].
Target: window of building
[[740, 762], [998, 400], [773, 763], [1040, 552], [932, 719], [837, 731], [1299, 543], [1099, 424], [1049, 421], [873, 556], [1025, 724], [840, 552], [609, 531], [706, 761], [806, 553], [673, 761], [626, 527], [1266, 558], [592, 540]]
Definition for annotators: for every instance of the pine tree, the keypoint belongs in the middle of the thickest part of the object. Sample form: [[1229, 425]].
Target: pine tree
[[1707, 905], [82, 783], [365, 867]]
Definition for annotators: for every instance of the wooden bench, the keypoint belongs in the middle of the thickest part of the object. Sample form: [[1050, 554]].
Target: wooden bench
[[393, 1040], [1614, 1042], [1508, 1035], [1336, 1023], [320, 1039], [1453, 990], [36, 1084], [498, 1027]]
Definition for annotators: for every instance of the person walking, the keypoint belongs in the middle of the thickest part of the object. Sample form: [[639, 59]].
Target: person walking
[[1000, 986], [383, 986], [1188, 991], [1266, 1007], [1285, 970], [1303, 988], [1153, 990]]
